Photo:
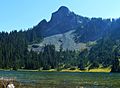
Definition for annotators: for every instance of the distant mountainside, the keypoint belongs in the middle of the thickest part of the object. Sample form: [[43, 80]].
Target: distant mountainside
[[64, 20], [79, 30]]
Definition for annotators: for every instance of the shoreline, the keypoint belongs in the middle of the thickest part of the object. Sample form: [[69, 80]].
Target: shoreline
[[107, 70]]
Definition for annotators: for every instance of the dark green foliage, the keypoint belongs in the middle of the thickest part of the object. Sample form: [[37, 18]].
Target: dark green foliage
[[102, 52], [94, 65], [115, 65], [13, 49], [46, 67], [72, 68], [83, 59]]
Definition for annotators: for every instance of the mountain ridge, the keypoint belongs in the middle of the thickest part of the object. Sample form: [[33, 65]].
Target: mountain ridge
[[63, 20]]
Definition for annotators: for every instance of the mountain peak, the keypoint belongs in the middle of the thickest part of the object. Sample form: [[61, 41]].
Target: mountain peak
[[60, 14], [63, 9]]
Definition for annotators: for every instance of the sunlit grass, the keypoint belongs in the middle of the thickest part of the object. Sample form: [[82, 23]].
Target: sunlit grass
[[100, 70], [91, 70]]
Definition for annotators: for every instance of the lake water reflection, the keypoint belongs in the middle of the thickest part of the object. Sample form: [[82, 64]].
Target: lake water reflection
[[64, 79]]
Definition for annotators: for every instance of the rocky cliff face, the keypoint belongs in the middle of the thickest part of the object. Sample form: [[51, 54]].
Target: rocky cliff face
[[63, 22]]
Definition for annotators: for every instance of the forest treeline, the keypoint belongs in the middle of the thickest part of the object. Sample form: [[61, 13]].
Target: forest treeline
[[14, 53]]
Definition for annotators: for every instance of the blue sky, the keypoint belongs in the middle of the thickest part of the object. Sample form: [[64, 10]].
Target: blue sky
[[24, 14]]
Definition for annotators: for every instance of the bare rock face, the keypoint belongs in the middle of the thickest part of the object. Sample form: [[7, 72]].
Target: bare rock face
[[61, 21], [58, 16]]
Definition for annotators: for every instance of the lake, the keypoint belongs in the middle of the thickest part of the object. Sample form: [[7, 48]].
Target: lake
[[64, 79]]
